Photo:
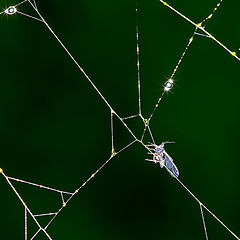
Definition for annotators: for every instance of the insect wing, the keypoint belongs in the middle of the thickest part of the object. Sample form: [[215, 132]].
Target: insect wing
[[170, 166]]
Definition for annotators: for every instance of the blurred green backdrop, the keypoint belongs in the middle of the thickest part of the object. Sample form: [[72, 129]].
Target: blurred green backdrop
[[55, 129]]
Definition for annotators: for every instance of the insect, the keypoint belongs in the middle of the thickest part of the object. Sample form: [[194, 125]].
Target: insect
[[162, 157]]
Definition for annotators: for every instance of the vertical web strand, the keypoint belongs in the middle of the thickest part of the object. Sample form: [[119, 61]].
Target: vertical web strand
[[112, 131], [25, 224], [138, 61]]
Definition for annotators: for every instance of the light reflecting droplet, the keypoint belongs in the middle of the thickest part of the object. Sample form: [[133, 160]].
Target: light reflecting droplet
[[168, 85], [11, 10]]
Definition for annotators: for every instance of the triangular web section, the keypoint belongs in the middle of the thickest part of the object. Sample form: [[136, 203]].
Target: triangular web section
[[136, 124], [120, 135], [27, 9], [210, 223], [42, 204]]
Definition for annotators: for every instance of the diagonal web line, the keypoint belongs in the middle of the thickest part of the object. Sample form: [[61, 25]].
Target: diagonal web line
[[87, 77], [37, 232], [203, 221], [20, 3], [39, 185], [89, 179], [27, 15], [81, 69], [106, 102], [35, 4]]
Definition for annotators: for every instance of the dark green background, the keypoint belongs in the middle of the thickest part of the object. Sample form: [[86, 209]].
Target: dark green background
[[55, 129]]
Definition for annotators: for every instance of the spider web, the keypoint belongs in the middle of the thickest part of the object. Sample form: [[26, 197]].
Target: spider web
[[116, 118]]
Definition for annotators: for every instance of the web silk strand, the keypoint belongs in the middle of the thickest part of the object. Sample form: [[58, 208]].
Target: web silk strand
[[138, 62], [203, 221], [135, 139], [81, 69], [25, 206], [186, 48], [25, 223], [202, 29]]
